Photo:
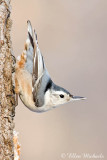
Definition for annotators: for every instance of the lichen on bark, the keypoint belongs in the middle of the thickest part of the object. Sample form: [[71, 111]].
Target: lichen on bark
[[7, 97]]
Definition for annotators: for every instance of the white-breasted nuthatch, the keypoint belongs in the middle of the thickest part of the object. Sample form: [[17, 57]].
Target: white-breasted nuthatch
[[32, 81]]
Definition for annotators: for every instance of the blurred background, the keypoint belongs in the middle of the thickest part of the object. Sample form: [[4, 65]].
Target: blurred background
[[72, 36]]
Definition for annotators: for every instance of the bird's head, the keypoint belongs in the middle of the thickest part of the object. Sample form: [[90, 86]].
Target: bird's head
[[56, 95]]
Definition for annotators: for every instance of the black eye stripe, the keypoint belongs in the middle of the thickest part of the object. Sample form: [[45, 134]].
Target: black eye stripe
[[61, 95]]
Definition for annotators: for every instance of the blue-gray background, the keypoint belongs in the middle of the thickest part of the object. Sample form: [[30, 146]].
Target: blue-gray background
[[73, 39]]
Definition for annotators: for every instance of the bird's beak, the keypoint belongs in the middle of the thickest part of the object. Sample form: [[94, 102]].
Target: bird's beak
[[74, 98]]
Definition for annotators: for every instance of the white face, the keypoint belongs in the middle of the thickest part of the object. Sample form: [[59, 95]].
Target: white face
[[55, 98]]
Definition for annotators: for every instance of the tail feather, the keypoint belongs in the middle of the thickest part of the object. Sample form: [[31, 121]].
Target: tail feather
[[30, 33], [30, 30], [31, 39], [29, 48]]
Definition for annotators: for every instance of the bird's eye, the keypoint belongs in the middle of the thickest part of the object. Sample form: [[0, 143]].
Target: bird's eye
[[61, 95]]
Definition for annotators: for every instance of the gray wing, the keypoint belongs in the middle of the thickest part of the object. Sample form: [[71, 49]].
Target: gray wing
[[29, 47], [41, 78]]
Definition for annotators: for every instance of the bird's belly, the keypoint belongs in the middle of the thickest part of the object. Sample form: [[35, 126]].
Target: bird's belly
[[29, 103], [25, 92], [25, 89]]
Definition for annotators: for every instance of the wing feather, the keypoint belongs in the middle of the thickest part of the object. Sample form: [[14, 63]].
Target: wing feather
[[40, 75], [29, 48]]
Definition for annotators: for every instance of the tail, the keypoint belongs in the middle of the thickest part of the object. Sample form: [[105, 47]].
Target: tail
[[30, 33], [25, 60], [29, 42]]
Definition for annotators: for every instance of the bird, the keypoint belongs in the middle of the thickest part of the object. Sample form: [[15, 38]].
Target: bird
[[33, 83]]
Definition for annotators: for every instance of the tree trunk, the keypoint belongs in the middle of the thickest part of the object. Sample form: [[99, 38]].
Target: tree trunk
[[7, 97]]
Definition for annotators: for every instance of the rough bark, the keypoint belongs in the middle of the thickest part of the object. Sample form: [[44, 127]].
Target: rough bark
[[7, 97]]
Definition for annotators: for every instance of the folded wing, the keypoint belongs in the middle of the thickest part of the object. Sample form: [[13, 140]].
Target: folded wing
[[40, 75]]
